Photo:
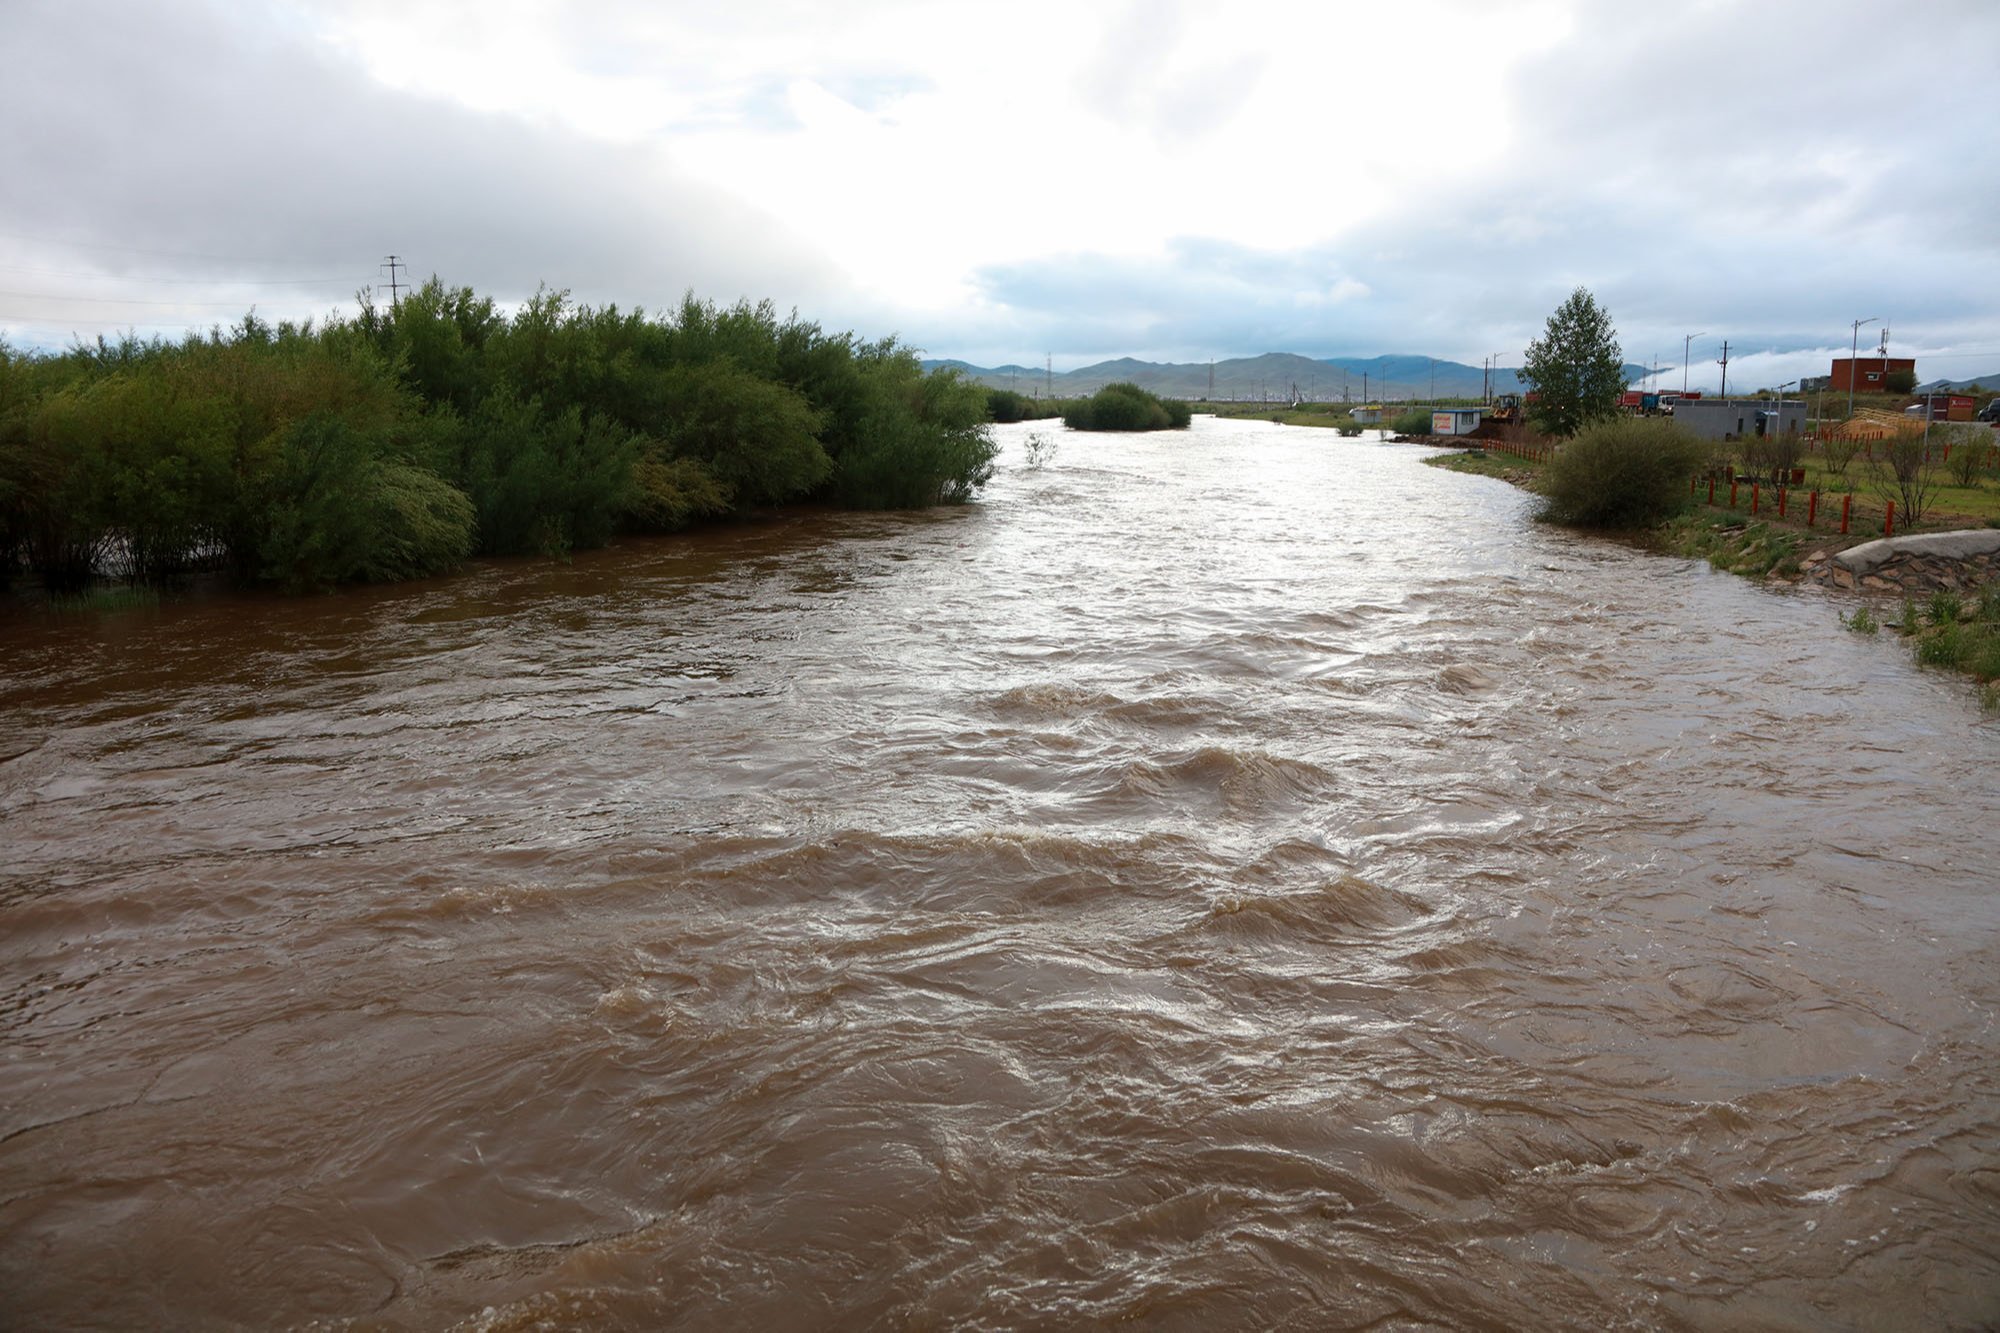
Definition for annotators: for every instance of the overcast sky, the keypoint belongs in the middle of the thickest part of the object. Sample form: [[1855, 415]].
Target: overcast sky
[[1167, 180]]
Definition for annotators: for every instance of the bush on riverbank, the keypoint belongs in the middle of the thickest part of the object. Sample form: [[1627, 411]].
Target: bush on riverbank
[[1005, 405], [1127, 407], [395, 443], [1416, 421], [1622, 473]]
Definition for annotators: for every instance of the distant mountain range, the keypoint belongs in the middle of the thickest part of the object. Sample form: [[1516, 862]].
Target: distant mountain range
[[1271, 377], [1990, 383]]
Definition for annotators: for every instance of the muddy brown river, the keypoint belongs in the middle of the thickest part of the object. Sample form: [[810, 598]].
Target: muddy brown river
[[1232, 879]]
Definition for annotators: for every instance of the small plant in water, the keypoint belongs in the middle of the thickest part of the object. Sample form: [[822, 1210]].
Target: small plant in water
[[1989, 602], [1944, 646], [1862, 621], [1040, 449], [104, 598], [1944, 607]]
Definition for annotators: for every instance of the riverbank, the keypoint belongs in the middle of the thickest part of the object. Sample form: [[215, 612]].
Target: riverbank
[[1949, 592]]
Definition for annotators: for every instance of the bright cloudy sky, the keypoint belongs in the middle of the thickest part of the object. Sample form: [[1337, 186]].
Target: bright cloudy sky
[[1169, 179]]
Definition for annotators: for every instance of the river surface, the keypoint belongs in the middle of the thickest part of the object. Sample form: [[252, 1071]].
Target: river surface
[[1240, 878]]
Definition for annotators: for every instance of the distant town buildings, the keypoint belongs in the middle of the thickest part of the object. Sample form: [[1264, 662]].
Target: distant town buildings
[[1746, 418]]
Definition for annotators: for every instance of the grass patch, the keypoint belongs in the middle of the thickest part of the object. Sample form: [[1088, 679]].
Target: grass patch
[[1754, 550], [103, 598], [1480, 463]]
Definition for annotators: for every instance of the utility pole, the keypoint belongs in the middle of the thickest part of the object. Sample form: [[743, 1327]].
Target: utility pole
[[392, 263], [1686, 343], [1724, 363], [1364, 386], [1854, 359]]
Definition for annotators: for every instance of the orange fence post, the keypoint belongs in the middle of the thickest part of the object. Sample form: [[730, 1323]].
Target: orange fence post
[[1846, 503], [1782, 493], [1812, 508], [1889, 521], [1711, 490]]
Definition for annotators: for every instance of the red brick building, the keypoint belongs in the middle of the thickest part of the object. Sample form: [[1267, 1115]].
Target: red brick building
[[1868, 374]]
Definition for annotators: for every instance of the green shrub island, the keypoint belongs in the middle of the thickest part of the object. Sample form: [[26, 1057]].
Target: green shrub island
[[396, 443], [1628, 472], [1126, 407]]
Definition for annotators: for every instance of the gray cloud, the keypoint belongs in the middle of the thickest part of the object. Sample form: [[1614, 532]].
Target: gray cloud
[[174, 131], [1765, 172]]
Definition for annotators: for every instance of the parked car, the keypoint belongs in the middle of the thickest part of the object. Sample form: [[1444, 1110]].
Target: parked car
[[1990, 413]]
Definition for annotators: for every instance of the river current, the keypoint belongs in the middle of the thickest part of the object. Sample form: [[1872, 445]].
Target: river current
[[1237, 878]]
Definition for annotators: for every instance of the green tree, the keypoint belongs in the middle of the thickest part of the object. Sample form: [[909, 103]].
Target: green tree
[[1575, 368]]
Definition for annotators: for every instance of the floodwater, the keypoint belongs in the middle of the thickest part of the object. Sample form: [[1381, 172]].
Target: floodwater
[[1233, 879]]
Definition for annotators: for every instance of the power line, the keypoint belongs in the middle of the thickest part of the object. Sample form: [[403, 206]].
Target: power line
[[140, 250], [191, 282], [109, 323], [111, 300]]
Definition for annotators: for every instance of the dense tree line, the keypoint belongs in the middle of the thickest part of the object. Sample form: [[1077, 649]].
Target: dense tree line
[[1007, 405], [397, 442]]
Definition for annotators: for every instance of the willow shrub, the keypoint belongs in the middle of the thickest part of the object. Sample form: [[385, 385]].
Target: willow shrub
[[755, 437], [337, 511], [544, 483], [1417, 421], [922, 438], [669, 494], [1126, 406], [1622, 473], [1007, 405]]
